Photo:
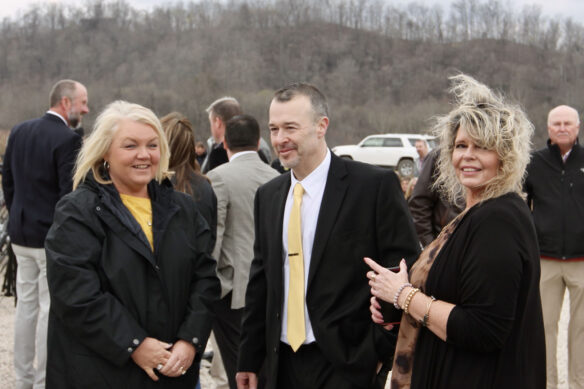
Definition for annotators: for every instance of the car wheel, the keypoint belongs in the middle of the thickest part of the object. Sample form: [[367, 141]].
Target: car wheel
[[347, 157], [406, 167]]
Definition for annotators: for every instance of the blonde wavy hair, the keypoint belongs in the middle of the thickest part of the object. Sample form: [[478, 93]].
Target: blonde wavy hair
[[96, 146], [492, 123]]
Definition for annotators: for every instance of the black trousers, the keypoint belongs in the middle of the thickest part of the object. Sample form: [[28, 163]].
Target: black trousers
[[307, 368], [227, 329]]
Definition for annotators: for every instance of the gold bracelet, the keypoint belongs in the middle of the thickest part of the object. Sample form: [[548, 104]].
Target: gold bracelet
[[424, 321], [409, 300]]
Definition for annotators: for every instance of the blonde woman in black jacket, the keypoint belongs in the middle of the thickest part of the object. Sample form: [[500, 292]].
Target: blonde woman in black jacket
[[128, 265]]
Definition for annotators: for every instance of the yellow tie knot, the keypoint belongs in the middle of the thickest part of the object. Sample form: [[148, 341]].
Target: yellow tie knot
[[298, 190]]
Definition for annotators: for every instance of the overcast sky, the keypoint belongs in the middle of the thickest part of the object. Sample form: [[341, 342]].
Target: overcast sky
[[552, 8]]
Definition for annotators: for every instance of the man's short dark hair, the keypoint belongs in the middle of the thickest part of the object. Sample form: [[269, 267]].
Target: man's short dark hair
[[317, 98], [63, 88], [225, 108], [242, 132]]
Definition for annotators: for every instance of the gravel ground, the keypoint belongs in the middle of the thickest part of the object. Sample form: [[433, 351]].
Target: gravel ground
[[7, 336]]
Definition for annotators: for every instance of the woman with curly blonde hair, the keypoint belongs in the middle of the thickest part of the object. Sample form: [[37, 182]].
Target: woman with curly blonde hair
[[471, 305]]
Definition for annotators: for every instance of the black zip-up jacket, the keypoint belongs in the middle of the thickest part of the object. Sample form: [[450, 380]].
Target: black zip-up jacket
[[555, 193], [109, 290]]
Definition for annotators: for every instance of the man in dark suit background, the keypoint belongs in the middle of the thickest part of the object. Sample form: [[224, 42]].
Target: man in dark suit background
[[220, 112], [36, 173], [306, 317]]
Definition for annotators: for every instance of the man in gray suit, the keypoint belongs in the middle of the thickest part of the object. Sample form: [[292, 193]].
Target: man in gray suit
[[235, 184]]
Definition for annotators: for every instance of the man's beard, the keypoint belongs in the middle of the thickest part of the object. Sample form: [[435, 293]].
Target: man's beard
[[74, 119]]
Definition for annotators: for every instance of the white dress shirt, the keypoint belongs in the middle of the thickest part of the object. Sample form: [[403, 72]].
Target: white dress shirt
[[313, 185], [565, 156], [239, 154], [59, 116]]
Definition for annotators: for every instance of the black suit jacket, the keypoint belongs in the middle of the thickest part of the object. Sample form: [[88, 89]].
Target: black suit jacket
[[217, 156], [363, 213], [36, 173]]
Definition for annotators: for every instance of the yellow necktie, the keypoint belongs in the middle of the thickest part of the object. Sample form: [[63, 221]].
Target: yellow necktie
[[296, 330]]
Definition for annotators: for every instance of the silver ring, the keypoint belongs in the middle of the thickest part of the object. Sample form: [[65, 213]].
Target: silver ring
[[183, 372], [159, 366]]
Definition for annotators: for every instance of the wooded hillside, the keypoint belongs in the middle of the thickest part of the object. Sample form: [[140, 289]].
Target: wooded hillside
[[383, 67]]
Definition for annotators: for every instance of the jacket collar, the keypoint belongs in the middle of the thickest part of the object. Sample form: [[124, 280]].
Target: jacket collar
[[54, 118], [163, 206], [557, 154]]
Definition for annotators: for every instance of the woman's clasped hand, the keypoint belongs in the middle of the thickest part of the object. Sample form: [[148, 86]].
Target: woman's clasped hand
[[172, 360]]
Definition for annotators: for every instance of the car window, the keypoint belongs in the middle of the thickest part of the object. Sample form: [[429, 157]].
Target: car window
[[373, 142], [430, 141], [392, 142]]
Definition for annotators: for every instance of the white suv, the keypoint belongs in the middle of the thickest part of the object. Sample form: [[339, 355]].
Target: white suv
[[396, 151]]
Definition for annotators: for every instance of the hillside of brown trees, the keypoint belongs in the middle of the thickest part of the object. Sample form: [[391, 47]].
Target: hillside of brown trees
[[383, 67]]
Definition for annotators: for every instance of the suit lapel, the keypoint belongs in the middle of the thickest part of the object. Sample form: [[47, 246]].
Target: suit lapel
[[332, 198], [279, 203]]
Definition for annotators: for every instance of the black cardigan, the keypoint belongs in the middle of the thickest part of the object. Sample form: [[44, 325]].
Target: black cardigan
[[490, 270]]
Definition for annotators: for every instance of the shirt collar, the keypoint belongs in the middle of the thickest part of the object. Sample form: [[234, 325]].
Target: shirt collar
[[565, 156], [59, 116], [239, 154], [317, 178]]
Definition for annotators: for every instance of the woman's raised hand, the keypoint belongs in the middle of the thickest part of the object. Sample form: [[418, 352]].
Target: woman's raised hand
[[385, 283]]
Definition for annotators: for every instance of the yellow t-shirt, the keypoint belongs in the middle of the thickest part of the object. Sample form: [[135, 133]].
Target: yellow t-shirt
[[141, 209]]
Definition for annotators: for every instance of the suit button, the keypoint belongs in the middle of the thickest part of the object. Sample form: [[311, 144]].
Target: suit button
[[130, 349], [196, 340], [136, 342], [157, 267], [98, 208], [275, 349]]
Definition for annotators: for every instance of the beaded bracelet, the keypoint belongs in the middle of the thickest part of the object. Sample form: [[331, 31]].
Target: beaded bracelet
[[398, 293], [409, 300], [424, 321]]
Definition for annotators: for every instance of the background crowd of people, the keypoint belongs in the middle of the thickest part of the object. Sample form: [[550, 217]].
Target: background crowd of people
[[136, 242]]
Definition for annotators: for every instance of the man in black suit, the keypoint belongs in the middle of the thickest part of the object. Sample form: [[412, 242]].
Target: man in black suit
[[36, 173], [220, 111], [330, 213]]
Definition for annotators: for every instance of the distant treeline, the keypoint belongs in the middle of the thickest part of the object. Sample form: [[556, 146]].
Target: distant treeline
[[383, 67]]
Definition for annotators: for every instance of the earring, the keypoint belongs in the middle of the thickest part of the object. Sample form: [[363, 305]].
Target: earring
[[105, 165]]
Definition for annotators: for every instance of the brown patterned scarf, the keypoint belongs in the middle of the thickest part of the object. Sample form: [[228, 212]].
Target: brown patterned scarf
[[403, 362]]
